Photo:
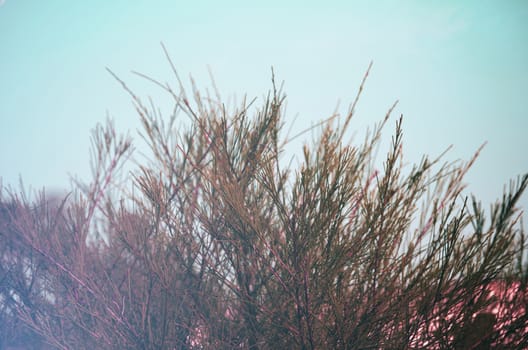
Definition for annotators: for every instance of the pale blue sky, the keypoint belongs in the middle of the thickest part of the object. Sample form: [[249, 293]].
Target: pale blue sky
[[459, 69]]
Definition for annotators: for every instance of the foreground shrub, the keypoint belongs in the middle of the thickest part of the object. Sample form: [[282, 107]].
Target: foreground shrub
[[215, 242]]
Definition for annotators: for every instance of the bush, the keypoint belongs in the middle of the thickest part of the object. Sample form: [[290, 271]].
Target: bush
[[214, 243]]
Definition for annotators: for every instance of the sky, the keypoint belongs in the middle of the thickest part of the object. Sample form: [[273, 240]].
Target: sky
[[458, 68]]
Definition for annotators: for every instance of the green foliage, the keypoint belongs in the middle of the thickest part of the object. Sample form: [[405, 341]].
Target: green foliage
[[213, 243]]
